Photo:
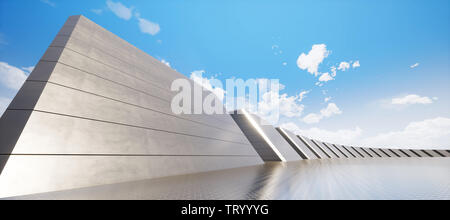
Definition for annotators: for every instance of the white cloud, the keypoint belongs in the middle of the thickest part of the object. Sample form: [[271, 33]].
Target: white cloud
[[411, 99], [430, 133], [343, 66], [333, 71], [276, 50], [325, 77], [97, 11], [427, 134], [48, 2], [269, 103], [414, 65], [313, 59], [302, 95], [273, 102], [148, 27], [291, 127], [289, 106], [197, 77], [343, 136], [330, 110], [327, 99], [165, 62], [12, 77], [284, 63], [28, 69], [120, 10], [4, 102], [312, 118]]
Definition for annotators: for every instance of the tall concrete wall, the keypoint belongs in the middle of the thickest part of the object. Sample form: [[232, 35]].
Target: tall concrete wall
[[96, 110]]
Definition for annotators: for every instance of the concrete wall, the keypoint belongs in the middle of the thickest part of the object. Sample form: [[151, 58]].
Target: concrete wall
[[350, 152], [266, 140], [96, 110], [295, 142], [341, 152]]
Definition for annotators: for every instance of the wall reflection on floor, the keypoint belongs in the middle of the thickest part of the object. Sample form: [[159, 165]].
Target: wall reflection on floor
[[381, 178]]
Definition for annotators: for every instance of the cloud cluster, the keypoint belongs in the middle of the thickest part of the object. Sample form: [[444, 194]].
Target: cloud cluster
[[325, 77], [343, 66], [126, 13], [274, 101], [120, 10], [11, 76], [343, 136], [276, 50], [28, 69], [97, 11], [303, 94], [330, 110], [148, 27], [4, 102], [411, 100], [208, 84], [430, 133], [165, 62], [313, 59], [268, 103], [48, 2], [414, 65], [289, 106]]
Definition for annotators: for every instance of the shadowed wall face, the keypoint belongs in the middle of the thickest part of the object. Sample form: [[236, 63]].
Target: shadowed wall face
[[96, 110]]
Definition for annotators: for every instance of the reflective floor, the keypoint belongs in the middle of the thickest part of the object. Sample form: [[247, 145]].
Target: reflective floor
[[384, 178]]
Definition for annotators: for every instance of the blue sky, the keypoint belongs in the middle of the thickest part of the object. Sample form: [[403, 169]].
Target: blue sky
[[399, 93]]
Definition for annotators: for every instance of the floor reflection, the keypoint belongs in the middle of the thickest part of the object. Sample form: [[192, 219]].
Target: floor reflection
[[383, 178]]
